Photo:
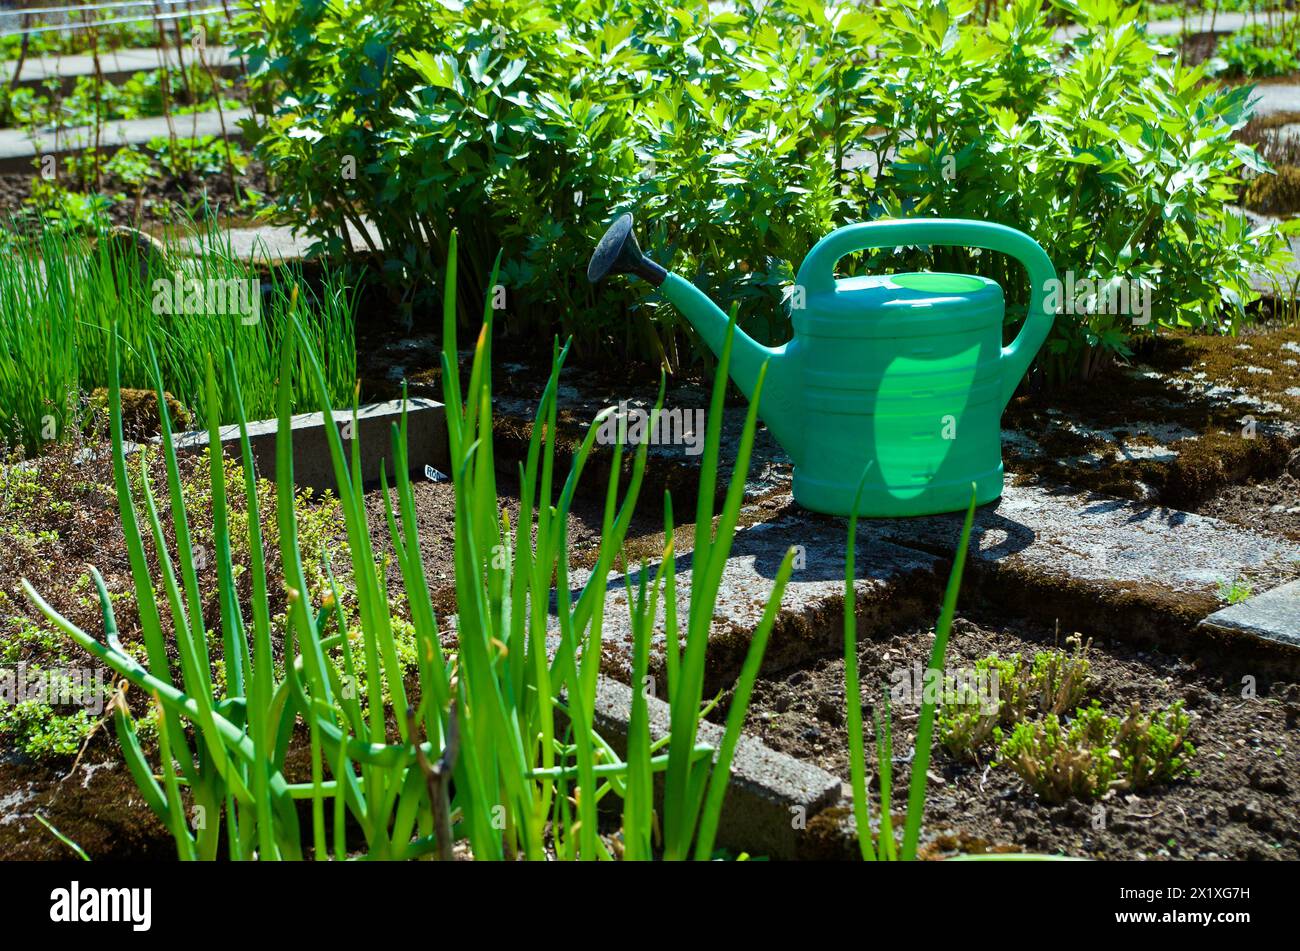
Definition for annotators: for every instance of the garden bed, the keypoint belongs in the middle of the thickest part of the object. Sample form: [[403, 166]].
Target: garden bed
[[90, 529], [1241, 803], [1271, 503], [1098, 528], [162, 201], [435, 512], [64, 519]]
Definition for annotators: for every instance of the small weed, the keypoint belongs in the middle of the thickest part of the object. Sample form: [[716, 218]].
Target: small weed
[[1053, 681], [1234, 591], [1094, 752], [1059, 681], [969, 723]]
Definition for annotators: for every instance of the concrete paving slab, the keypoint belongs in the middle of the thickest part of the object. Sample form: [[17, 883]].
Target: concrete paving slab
[[894, 585], [1095, 538], [312, 468], [1222, 22], [1096, 563], [1273, 615], [114, 65], [272, 244], [19, 150], [771, 795], [1272, 98], [1121, 569]]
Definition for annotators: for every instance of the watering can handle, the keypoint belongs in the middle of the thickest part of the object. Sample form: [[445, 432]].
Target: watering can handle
[[817, 273]]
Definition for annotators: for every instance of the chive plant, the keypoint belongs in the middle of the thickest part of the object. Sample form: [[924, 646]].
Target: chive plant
[[62, 298], [492, 742], [884, 845]]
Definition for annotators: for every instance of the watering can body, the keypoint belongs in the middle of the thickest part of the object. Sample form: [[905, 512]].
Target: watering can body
[[890, 394]]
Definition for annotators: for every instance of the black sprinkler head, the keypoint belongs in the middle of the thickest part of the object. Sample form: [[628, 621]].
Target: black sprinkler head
[[618, 253]]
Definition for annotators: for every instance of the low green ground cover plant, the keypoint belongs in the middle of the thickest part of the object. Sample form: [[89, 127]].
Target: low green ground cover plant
[[63, 296], [205, 155], [1051, 681], [1235, 591], [742, 136], [1094, 752], [147, 93], [106, 37], [90, 184], [1046, 727], [57, 513]]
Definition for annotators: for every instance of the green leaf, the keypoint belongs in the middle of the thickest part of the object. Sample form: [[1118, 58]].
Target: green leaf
[[437, 70]]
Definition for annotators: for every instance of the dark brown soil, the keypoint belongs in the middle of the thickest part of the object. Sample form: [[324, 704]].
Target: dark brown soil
[[164, 200], [1272, 504], [52, 527], [435, 513], [1243, 802], [98, 807]]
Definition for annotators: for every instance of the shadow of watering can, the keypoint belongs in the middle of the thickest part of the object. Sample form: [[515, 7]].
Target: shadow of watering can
[[904, 373]]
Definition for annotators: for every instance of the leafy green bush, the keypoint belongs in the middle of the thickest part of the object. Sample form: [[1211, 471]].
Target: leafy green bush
[[742, 137], [1258, 50], [1117, 159], [1093, 752], [530, 125]]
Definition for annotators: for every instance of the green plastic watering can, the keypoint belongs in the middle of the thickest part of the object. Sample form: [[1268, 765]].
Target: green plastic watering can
[[901, 376]]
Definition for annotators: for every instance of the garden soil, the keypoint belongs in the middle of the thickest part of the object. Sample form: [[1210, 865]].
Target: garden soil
[[1243, 801]]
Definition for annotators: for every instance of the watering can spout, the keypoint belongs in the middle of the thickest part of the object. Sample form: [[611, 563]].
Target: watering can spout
[[619, 253]]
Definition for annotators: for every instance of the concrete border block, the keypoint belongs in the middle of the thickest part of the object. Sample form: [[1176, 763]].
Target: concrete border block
[[19, 150], [771, 796], [894, 585], [426, 429], [1273, 615]]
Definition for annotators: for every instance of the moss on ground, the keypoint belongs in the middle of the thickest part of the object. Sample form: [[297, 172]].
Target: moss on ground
[[140, 419], [1277, 194], [59, 515], [1123, 402]]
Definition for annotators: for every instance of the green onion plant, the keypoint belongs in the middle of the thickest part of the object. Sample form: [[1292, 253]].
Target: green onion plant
[[489, 744], [63, 296]]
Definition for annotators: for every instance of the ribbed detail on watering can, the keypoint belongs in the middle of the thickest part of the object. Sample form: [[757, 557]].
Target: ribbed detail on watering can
[[877, 346], [904, 370]]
